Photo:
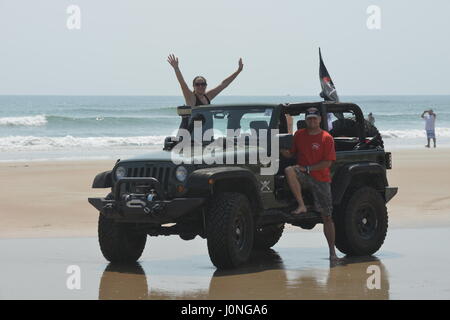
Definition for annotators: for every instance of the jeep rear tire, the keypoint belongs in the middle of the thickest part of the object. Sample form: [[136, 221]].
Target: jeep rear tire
[[119, 242], [268, 236], [361, 222], [229, 230]]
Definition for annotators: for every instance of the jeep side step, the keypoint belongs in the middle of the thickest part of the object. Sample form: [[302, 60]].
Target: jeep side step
[[275, 216]]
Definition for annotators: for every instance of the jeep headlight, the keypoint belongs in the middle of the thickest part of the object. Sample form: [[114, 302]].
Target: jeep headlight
[[120, 172], [181, 173]]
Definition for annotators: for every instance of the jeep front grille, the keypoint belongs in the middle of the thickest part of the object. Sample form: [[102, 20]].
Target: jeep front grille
[[161, 173]]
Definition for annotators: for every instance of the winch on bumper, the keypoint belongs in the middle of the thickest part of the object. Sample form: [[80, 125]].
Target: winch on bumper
[[149, 207]]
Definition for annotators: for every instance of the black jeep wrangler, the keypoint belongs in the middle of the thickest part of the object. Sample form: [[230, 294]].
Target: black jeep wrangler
[[232, 205]]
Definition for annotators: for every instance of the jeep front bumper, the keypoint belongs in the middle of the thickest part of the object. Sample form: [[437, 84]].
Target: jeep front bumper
[[390, 192], [134, 207]]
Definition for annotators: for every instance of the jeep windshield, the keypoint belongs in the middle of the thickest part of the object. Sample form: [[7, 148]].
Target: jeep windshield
[[239, 119]]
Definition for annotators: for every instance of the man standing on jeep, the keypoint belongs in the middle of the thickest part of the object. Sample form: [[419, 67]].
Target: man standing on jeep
[[315, 152]]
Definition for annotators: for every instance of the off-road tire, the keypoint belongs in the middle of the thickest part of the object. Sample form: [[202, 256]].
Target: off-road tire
[[266, 237], [354, 237], [119, 242], [228, 247]]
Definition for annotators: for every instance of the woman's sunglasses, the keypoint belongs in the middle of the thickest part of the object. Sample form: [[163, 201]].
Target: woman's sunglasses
[[198, 84]]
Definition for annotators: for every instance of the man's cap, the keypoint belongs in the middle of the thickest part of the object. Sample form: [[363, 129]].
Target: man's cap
[[312, 112]]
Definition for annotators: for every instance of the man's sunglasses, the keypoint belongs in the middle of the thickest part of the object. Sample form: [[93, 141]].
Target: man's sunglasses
[[198, 84]]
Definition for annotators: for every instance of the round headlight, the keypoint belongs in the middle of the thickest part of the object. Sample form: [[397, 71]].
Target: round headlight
[[181, 173], [120, 172]]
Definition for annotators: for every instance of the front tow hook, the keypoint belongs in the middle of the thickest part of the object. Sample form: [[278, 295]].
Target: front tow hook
[[154, 208]]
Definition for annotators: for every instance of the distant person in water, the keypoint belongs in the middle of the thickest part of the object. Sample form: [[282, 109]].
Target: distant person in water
[[371, 119], [430, 119], [199, 96]]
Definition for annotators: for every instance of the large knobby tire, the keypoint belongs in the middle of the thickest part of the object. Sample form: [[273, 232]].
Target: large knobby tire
[[266, 237], [229, 230], [119, 242], [361, 222]]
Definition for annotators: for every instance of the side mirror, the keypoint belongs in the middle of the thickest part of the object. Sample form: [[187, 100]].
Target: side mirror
[[170, 142]]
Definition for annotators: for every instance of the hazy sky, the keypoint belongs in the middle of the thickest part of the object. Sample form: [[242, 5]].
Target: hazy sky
[[122, 46]]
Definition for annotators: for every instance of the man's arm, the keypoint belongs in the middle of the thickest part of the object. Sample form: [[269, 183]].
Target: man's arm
[[211, 94], [290, 122], [424, 113], [321, 165]]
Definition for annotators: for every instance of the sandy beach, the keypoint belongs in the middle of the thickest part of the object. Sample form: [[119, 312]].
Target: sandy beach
[[49, 199], [48, 225]]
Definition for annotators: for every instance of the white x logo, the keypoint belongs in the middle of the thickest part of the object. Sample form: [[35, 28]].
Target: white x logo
[[265, 186]]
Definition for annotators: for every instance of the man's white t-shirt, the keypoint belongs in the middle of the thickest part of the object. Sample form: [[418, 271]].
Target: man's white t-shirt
[[429, 121]]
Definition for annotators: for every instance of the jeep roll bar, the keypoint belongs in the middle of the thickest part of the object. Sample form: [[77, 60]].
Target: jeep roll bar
[[336, 108]]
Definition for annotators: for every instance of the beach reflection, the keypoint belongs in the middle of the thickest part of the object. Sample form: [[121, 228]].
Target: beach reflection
[[265, 276]]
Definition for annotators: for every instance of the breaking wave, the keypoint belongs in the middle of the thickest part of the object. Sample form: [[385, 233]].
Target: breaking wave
[[412, 134], [42, 120], [31, 121]]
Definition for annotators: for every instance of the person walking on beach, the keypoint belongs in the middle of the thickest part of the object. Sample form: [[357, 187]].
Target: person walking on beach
[[430, 120], [199, 96], [315, 153], [371, 119]]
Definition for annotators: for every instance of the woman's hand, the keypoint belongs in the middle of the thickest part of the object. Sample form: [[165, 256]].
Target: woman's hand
[[241, 65], [173, 61]]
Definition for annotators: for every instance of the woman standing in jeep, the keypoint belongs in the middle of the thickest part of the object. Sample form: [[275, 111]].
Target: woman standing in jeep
[[199, 96]]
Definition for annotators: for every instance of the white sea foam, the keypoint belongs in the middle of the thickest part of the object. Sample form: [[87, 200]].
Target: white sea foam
[[36, 143], [39, 120], [413, 133], [32, 143]]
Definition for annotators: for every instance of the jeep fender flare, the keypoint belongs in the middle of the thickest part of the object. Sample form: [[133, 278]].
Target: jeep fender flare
[[344, 176], [103, 180], [207, 181]]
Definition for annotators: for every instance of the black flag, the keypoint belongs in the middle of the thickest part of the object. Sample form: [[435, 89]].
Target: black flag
[[329, 92]]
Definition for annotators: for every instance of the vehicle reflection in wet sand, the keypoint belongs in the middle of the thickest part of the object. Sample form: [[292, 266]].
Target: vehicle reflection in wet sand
[[265, 277], [411, 266]]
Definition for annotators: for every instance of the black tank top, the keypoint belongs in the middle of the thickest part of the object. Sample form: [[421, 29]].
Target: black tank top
[[198, 102]]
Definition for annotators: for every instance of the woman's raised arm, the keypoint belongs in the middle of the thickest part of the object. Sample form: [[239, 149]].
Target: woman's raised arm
[[211, 94], [189, 96]]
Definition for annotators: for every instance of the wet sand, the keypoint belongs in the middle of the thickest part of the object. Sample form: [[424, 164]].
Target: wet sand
[[412, 264]]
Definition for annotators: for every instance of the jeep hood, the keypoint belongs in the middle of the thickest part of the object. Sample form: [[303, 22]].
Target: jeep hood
[[166, 156]]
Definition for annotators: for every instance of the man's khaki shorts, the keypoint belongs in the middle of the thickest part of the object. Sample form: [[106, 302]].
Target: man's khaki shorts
[[321, 192]]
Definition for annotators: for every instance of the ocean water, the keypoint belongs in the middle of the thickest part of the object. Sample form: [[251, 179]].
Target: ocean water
[[109, 127]]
